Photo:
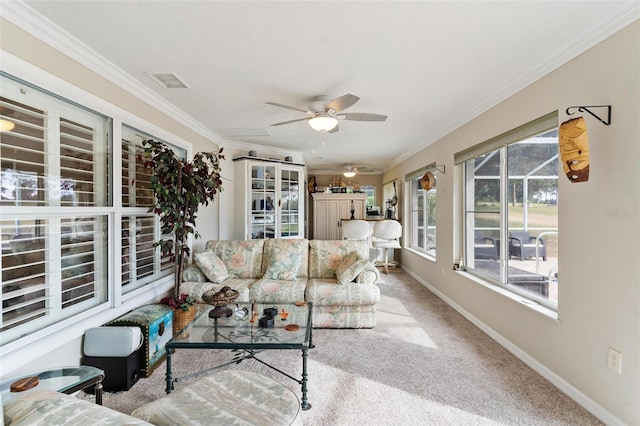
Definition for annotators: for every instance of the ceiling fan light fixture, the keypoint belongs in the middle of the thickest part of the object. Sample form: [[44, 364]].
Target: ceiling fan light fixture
[[323, 123], [6, 125], [349, 174]]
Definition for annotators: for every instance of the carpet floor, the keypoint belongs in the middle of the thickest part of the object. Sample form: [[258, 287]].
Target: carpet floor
[[424, 363]]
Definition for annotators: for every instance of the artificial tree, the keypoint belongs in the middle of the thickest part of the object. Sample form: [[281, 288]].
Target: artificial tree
[[180, 187]]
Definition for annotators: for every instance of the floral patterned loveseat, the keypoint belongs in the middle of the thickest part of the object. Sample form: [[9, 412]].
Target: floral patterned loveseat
[[336, 276]]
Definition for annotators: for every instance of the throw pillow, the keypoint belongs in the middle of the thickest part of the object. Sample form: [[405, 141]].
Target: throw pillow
[[284, 259], [350, 267], [211, 266]]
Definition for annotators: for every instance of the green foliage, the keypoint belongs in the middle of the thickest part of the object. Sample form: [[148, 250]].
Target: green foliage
[[180, 187]]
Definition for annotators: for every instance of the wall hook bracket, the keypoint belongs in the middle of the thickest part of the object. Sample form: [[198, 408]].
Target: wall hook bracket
[[439, 167], [587, 110]]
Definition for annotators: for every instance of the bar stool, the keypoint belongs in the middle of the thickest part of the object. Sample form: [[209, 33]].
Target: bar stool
[[355, 230], [386, 235]]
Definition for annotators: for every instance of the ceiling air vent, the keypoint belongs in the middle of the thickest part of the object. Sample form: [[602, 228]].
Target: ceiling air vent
[[168, 80], [236, 132]]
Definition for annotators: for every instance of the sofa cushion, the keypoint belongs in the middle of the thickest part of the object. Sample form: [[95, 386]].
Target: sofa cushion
[[326, 255], [325, 291], [350, 267], [243, 258], [52, 408], [267, 290], [194, 274], [211, 266], [286, 259]]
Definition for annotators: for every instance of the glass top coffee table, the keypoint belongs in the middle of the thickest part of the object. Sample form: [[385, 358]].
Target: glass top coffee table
[[250, 329], [64, 379]]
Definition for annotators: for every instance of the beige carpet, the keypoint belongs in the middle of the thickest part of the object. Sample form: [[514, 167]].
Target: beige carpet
[[423, 364]]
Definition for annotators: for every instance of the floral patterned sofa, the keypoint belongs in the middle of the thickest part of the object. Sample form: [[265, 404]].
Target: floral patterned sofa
[[336, 276]]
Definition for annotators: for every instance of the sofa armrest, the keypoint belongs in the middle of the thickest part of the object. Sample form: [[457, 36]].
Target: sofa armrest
[[369, 275], [49, 407]]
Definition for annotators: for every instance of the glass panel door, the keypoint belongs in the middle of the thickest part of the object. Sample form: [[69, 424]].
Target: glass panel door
[[289, 207], [263, 196]]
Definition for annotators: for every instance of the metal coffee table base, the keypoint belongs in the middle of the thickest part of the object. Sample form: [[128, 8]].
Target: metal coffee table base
[[238, 358]]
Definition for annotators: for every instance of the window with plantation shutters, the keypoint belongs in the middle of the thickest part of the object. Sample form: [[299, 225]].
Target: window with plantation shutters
[[54, 230], [75, 242], [141, 262], [78, 167]]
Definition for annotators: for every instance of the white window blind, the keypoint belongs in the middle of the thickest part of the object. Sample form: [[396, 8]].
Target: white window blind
[[534, 127]]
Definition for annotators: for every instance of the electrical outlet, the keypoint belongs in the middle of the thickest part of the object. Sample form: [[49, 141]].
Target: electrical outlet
[[614, 360]]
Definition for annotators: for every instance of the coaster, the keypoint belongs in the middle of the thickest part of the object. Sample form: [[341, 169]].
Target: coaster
[[292, 327], [25, 384]]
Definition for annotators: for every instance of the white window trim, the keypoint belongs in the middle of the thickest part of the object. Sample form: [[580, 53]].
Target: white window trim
[[540, 125], [408, 213], [18, 353]]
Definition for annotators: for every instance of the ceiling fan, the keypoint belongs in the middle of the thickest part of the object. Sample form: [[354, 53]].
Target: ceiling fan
[[349, 170], [324, 114]]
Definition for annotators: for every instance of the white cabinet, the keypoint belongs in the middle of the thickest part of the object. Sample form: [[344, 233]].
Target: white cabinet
[[269, 199], [329, 209]]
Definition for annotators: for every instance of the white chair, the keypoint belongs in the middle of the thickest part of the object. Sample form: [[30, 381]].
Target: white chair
[[386, 235], [355, 230]]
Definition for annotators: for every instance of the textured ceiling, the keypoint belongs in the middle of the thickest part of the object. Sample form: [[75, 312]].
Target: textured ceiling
[[429, 66]]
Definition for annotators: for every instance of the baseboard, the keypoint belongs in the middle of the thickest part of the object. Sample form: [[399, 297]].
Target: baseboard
[[589, 404]]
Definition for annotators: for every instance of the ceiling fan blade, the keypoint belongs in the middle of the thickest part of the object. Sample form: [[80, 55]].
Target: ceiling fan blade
[[343, 102], [362, 116], [335, 129], [290, 107], [291, 121]]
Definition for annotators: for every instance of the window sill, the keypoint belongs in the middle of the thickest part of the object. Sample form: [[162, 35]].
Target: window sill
[[421, 254], [529, 304]]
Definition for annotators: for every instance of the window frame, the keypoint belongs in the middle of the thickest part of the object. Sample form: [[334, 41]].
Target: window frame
[[500, 145], [370, 190], [29, 346], [415, 192], [55, 283]]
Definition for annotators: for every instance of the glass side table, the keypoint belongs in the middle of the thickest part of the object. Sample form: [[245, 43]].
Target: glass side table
[[64, 379]]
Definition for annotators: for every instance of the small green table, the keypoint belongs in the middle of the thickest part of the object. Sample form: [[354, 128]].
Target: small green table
[[241, 333], [64, 379]]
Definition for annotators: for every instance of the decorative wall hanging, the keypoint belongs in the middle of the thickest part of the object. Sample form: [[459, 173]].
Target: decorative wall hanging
[[428, 181], [574, 149]]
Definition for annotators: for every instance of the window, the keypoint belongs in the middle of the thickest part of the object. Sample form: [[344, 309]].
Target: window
[[390, 195], [422, 205], [62, 219], [511, 210], [141, 262], [54, 168], [370, 190]]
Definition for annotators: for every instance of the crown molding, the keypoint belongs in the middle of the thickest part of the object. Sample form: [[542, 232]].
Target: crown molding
[[46, 31]]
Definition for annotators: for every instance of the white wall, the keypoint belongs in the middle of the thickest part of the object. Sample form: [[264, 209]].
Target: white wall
[[599, 221]]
